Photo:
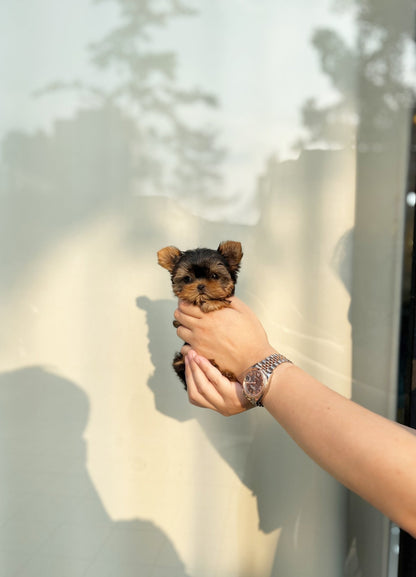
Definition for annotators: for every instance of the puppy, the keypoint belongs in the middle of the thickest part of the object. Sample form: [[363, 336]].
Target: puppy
[[205, 278]]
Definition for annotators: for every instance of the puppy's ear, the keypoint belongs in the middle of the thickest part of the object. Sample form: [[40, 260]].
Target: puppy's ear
[[232, 252], [168, 257]]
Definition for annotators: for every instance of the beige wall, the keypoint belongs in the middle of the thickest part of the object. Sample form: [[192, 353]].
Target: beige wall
[[106, 469]]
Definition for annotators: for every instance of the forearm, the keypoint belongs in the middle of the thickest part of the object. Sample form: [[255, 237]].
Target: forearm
[[369, 454]]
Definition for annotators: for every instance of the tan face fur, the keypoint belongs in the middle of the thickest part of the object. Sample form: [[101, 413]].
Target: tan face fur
[[202, 275]]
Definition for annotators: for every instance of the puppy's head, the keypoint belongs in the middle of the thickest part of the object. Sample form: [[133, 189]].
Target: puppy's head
[[203, 274]]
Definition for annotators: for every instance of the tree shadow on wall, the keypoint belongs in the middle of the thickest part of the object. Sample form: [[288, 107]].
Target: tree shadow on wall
[[133, 139], [53, 521], [169, 154], [374, 104], [369, 75]]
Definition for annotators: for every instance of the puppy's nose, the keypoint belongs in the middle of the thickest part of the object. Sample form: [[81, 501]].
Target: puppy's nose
[[201, 287]]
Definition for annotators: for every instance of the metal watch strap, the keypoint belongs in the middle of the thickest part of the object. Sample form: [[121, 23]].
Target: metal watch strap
[[268, 365]]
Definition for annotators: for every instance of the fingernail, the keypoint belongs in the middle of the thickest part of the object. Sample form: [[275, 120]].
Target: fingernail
[[191, 355]]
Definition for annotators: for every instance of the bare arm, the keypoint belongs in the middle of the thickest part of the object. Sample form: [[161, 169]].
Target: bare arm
[[369, 454]]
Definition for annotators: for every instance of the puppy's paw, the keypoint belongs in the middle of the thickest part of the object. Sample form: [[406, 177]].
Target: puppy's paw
[[179, 368]]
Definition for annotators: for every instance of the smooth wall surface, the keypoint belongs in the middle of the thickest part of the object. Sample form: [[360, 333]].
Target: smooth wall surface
[[129, 125]]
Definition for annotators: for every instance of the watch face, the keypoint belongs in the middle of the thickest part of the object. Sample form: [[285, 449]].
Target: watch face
[[253, 383]]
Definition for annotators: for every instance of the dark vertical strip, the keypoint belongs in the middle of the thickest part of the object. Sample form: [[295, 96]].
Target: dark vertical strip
[[407, 362]]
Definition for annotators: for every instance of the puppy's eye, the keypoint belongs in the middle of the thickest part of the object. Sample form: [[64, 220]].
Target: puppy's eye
[[187, 279], [214, 276]]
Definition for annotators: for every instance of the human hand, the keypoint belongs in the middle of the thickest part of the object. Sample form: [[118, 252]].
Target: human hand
[[209, 389], [233, 336]]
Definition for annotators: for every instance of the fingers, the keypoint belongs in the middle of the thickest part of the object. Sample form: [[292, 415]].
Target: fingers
[[186, 312], [186, 316], [184, 333], [185, 349], [208, 388], [237, 304], [184, 321], [196, 387], [189, 310]]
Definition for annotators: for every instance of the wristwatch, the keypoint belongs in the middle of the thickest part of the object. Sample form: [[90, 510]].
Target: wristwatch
[[255, 381]]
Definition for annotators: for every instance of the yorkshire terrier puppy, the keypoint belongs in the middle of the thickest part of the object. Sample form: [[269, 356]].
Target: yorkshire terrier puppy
[[205, 278]]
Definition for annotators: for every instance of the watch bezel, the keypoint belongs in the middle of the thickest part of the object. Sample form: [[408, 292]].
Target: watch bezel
[[253, 397]]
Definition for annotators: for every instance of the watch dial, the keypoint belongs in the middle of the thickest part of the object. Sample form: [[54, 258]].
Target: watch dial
[[253, 384]]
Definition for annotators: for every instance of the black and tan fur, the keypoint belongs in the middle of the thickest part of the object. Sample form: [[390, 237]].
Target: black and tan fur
[[205, 278]]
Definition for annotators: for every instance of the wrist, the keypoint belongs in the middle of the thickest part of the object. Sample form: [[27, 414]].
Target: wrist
[[276, 380], [256, 380], [245, 403], [255, 357]]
